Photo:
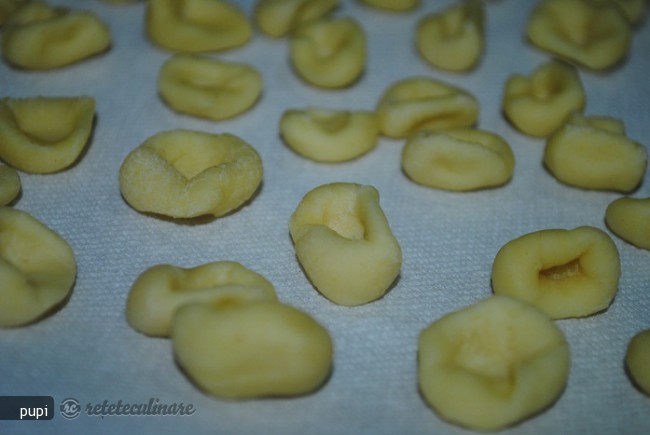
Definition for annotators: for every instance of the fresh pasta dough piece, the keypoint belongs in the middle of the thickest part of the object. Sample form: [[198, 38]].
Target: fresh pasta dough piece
[[393, 5], [453, 39], [565, 273], [540, 104], [344, 243], [492, 364], [208, 88], [460, 159], [37, 268], [279, 17], [196, 25], [637, 360], [9, 184], [185, 174], [595, 153], [252, 349], [7, 7], [629, 218], [326, 135], [160, 290], [38, 36], [421, 103], [330, 52], [44, 135], [591, 34], [633, 10]]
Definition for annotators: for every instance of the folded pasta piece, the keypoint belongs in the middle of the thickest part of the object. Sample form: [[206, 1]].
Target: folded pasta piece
[[279, 17], [38, 36], [44, 135], [393, 5], [9, 184]]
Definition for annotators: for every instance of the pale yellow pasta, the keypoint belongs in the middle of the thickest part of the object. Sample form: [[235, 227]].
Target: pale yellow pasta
[[540, 104], [37, 268], [454, 38], [208, 88], [421, 103], [185, 174], [565, 273], [330, 52], [327, 135], [196, 25], [459, 159], [633, 10], [344, 243], [44, 135], [591, 34], [279, 17], [38, 36], [7, 7], [595, 153], [492, 364], [629, 218], [393, 5], [637, 360], [251, 349], [160, 290], [9, 184]]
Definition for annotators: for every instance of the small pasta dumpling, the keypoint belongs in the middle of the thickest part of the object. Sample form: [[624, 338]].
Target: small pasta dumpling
[[629, 218], [453, 39], [592, 34], [9, 184], [329, 53], [633, 10], [637, 360], [7, 7], [540, 104], [326, 135], [246, 349], [38, 36], [208, 88], [344, 243], [37, 269], [421, 103], [279, 17], [458, 160], [594, 153], [186, 173], [44, 135], [196, 25], [392, 5], [160, 290], [565, 273]]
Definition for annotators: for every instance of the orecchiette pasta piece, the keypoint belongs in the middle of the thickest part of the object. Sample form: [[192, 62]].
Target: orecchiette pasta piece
[[420, 103], [633, 10], [9, 184], [329, 53], [44, 135], [595, 35], [37, 268], [565, 273], [637, 360], [196, 25], [629, 218], [326, 135], [540, 104], [208, 88], [160, 290], [252, 349], [344, 243], [185, 174], [279, 17], [594, 153], [393, 5], [460, 159], [492, 364], [7, 7], [454, 38], [38, 36]]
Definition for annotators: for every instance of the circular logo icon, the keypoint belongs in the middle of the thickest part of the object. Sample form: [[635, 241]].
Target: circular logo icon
[[70, 408]]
